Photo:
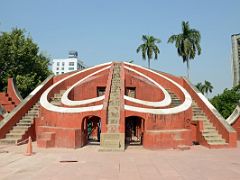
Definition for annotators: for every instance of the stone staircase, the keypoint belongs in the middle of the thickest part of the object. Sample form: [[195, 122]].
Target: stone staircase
[[56, 99], [20, 129], [112, 140], [114, 101], [175, 100], [210, 134]]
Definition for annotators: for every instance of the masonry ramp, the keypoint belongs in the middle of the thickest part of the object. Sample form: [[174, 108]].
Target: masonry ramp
[[215, 131], [112, 140], [19, 131]]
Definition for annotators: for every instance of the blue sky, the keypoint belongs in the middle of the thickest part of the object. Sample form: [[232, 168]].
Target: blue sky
[[104, 30]]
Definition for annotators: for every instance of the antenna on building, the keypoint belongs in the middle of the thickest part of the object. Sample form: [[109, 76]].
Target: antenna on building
[[72, 54]]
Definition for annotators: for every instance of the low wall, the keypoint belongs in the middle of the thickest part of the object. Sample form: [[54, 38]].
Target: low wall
[[160, 139], [64, 137]]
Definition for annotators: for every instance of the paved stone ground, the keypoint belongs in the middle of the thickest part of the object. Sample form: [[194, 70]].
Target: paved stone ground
[[135, 163]]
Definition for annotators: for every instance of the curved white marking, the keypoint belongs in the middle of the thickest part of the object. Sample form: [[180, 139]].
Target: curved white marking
[[16, 92], [36, 89], [165, 102], [183, 107], [234, 116], [47, 105], [65, 100]]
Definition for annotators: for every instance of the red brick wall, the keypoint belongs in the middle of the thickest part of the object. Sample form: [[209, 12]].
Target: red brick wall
[[11, 90], [89, 89], [236, 126], [144, 90], [166, 139]]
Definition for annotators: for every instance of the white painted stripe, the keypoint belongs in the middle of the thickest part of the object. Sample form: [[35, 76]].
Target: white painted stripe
[[183, 107], [36, 89], [47, 105], [65, 100], [234, 116], [165, 102]]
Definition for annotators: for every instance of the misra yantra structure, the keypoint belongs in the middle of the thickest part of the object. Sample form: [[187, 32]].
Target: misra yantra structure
[[117, 104]]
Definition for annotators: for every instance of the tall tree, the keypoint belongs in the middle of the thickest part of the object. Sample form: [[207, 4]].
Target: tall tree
[[204, 88], [207, 87], [149, 47], [187, 43], [20, 59], [199, 86]]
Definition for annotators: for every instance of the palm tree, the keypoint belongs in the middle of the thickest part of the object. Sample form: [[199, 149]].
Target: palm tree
[[200, 87], [187, 43], [204, 88], [149, 47], [207, 87]]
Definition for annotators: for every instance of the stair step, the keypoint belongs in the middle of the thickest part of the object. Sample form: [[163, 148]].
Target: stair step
[[21, 127], [23, 123], [28, 116], [15, 135], [26, 121], [56, 103], [199, 116], [214, 138], [8, 141], [210, 134], [210, 130], [33, 114], [217, 143], [18, 130], [207, 126], [113, 121]]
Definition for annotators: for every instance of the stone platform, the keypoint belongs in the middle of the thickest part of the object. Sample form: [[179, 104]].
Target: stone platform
[[135, 163]]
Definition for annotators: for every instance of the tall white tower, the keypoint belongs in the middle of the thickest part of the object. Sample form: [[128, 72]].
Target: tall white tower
[[236, 59]]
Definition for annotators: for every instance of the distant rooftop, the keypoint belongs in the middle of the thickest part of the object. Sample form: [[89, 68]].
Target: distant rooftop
[[72, 54]]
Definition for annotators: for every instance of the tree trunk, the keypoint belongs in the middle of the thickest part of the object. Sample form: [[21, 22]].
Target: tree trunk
[[188, 67], [148, 63]]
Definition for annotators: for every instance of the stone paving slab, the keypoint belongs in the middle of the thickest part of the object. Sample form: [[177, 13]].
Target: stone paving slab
[[135, 163]]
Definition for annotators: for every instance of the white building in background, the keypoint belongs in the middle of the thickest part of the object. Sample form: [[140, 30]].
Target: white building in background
[[72, 63], [236, 59]]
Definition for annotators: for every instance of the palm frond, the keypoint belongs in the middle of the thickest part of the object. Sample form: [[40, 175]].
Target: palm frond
[[149, 47]]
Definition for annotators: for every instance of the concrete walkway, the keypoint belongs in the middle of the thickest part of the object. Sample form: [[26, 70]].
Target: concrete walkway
[[135, 163]]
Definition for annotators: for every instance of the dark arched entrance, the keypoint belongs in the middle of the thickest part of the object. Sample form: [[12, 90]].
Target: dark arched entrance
[[134, 129], [91, 127]]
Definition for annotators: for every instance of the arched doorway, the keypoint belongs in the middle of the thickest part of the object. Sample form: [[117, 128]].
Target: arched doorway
[[134, 129], [92, 130]]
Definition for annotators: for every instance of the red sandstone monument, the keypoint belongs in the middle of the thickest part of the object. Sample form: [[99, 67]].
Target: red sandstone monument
[[117, 104]]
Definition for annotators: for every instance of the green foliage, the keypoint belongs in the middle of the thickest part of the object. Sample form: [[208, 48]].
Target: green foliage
[[149, 47], [187, 43], [226, 102], [20, 58]]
